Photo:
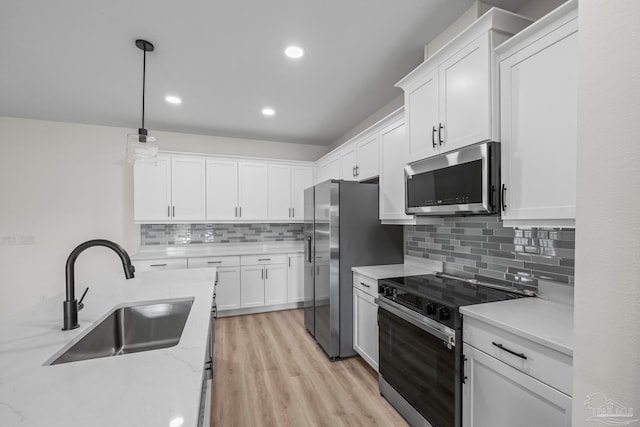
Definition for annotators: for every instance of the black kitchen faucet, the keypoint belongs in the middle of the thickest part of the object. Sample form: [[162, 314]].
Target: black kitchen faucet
[[70, 305]]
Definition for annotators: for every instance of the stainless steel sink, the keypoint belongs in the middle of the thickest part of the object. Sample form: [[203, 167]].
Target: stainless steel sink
[[131, 329]]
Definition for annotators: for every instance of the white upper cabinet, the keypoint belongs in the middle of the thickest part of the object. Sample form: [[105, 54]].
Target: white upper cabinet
[[329, 168], [173, 190], [302, 178], [394, 144], [368, 152], [348, 161], [252, 191], [152, 190], [421, 106], [451, 100], [188, 194], [279, 192], [286, 191], [538, 89], [222, 189]]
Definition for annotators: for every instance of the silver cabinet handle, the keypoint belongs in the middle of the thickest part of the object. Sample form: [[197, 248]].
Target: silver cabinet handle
[[262, 274], [266, 273], [240, 210], [440, 128], [158, 265], [174, 212], [214, 262], [264, 259], [357, 170], [236, 214], [293, 212], [168, 211], [289, 261], [365, 285], [216, 282]]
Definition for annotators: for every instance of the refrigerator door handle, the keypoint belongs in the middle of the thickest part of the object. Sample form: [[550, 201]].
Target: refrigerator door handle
[[307, 249]]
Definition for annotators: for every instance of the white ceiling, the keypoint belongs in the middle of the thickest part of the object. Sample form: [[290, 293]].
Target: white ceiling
[[76, 61]]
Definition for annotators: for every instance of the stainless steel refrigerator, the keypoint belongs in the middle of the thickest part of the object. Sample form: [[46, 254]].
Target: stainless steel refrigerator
[[341, 231]]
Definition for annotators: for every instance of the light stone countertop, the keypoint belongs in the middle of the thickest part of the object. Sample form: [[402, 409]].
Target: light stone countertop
[[149, 388], [413, 266], [218, 249], [543, 321]]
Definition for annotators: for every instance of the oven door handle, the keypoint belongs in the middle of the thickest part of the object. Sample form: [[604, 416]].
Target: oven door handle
[[432, 327]]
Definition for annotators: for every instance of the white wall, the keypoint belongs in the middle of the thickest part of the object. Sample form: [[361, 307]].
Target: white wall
[[607, 291], [63, 183]]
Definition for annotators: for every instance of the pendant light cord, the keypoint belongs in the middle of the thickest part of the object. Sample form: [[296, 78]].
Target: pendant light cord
[[144, 74]]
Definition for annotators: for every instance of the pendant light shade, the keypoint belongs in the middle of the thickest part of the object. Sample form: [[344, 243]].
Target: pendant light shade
[[142, 148]]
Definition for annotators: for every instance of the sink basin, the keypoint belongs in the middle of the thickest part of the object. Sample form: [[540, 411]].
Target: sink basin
[[131, 329]]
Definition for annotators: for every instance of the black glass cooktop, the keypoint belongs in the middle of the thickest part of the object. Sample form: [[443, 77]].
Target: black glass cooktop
[[438, 298]]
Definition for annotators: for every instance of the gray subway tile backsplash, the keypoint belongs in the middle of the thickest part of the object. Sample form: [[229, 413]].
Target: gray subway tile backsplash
[[480, 247], [180, 234]]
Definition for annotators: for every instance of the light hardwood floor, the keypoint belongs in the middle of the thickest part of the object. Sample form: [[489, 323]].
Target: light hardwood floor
[[270, 372]]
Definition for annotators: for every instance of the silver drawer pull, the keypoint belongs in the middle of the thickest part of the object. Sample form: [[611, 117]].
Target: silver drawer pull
[[501, 347], [365, 285], [214, 262], [264, 259], [158, 265]]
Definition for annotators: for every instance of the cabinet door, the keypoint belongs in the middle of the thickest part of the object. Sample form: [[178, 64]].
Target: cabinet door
[[368, 158], [228, 288], [222, 189], [538, 88], [188, 194], [497, 395], [275, 284], [280, 192], [365, 327], [395, 151], [253, 188], [252, 286], [348, 164], [302, 177], [422, 115], [295, 279], [152, 191], [465, 96]]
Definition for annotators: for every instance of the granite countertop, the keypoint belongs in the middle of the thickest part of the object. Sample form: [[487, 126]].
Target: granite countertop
[[546, 322], [413, 266], [216, 249], [149, 388]]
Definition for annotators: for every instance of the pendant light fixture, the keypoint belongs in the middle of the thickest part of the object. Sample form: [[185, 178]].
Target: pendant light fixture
[[142, 148]]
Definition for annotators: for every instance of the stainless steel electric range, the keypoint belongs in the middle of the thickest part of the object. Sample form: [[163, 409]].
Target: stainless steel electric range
[[420, 343]]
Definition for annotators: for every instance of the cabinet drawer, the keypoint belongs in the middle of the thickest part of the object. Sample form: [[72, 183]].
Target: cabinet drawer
[[543, 363], [263, 259], [159, 264], [219, 261], [365, 284]]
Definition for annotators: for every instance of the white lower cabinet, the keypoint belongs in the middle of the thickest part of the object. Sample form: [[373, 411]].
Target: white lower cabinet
[[275, 284], [365, 319], [228, 288], [513, 381], [295, 279], [252, 280], [497, 395]]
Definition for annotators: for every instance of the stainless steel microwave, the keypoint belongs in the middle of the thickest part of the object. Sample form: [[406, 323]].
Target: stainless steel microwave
[[460, 182]]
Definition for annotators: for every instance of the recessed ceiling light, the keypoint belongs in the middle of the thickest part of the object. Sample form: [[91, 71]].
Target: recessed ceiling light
[[268, 111], [294, 52], [171, 99]]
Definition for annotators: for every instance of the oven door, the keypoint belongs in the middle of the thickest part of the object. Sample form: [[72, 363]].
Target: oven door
[[417, 360]]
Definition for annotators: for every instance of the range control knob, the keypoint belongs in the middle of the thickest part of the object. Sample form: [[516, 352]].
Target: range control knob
[[443, 313], [430, 308]]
